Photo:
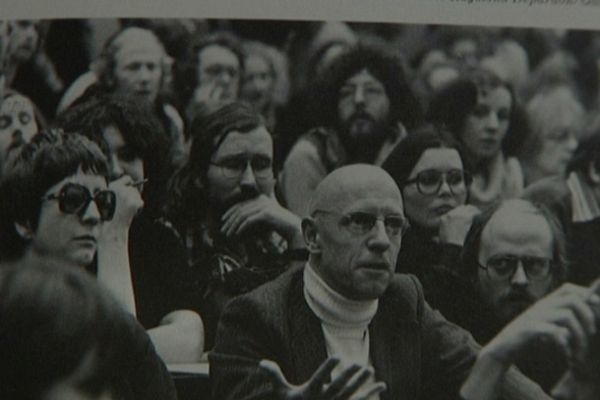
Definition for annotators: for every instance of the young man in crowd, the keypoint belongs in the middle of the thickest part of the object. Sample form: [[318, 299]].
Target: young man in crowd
[[367, 105], [224, 231], [514, 255]]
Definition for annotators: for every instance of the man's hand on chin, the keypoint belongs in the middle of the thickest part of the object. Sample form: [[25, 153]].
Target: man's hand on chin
[[263, 210]]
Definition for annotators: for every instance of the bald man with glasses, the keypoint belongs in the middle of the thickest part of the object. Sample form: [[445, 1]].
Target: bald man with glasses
[[345, 326]]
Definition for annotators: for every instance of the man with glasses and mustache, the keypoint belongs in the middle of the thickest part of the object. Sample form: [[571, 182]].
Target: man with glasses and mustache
[[514, 256], [345, 326], [225, 232], [365, 106], [57, 209]]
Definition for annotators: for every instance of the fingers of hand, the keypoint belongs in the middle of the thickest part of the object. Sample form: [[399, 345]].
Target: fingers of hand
[[341, 382], [274, 372], [374, 389], [352, 385], [322, 374]]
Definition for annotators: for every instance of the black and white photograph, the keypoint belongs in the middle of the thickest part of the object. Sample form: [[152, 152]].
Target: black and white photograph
[[291, 209]]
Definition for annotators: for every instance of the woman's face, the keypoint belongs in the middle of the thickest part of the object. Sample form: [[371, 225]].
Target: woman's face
[[70, 239], [257, 86], [486, 125], [425, 210], [559, 141]]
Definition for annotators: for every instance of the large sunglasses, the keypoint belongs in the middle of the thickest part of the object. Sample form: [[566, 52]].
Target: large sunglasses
[[430, 181], [75, 199]]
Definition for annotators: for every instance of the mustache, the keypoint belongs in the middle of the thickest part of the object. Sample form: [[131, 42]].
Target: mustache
[[360, 114], [518, 295]]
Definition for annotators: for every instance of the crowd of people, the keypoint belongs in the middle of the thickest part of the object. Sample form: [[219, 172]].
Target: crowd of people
[[318, 210]]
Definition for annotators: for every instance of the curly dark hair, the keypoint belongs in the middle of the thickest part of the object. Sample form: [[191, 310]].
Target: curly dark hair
[[386, 67], [452, 104]]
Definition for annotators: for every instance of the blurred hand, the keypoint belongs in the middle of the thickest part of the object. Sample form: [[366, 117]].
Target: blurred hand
[[129, 202], [211, 94], [566, 317], [343, 387], [264, 210], [455, 224]]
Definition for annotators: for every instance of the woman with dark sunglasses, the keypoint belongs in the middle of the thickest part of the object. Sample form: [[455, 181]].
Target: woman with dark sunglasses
[[57, 209], [430, 170]]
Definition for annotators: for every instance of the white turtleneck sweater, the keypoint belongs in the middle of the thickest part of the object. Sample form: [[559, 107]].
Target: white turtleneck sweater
[[344, 322]]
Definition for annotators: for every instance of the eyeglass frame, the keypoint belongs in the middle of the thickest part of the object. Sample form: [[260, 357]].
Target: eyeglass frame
[[520, 261], [239, 173], [345, 221], [466, 179], [60, 196]]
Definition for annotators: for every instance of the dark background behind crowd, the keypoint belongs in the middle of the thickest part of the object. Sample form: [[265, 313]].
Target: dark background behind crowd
[[464, 119]]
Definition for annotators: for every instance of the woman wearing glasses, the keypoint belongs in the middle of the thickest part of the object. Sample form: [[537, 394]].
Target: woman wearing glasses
[[430, 171]]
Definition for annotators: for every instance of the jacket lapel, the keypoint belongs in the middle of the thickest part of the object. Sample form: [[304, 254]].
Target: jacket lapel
[[307, 341], [395, 352]]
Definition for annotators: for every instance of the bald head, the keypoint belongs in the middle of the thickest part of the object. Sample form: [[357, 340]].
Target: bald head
[[351, 183]]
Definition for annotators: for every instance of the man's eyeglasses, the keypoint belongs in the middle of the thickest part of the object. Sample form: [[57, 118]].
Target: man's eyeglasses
[[504, 267], [360, 222], [74, 199], [262, 167], [430, 181]]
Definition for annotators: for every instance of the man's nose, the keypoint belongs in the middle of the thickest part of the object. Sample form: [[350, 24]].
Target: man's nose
[[248, 178], [379, 240], [519, 278], [359, 95]]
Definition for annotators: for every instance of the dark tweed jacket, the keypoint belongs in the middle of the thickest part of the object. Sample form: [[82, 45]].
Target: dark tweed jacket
[[414, 350]]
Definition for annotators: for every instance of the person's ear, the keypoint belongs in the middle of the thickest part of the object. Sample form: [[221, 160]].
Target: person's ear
[[594, 174], [24, 230], [311, 235]]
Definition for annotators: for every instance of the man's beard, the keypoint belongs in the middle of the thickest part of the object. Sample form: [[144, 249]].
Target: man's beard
[[363, 136], [514, 303]]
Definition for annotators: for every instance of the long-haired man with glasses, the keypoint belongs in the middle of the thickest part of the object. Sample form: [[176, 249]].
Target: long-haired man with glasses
[[229, 232], [514, 256]]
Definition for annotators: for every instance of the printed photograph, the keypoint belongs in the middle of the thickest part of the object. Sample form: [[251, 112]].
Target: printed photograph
[[223, 209]]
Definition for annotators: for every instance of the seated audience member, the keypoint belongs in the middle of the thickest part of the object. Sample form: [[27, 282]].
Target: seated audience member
[[18, 124], [212, 74], [62, 336], [134, 146], [258, 82], [568, 317], [29, 69], [479, 110], [575, 198], [430, 171], [346, 315], [514, 255], [366, 106], [227, 231], [57, 208], [134, 63], [555, 119]]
